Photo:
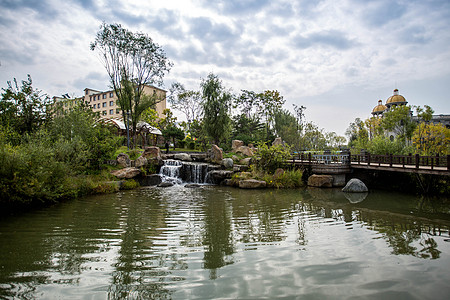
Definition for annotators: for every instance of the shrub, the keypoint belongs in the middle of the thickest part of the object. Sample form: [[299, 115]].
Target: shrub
[[270, 158], [130, 184]]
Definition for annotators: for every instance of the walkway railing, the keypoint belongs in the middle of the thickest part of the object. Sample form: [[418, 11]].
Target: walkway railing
[[367, 159], [415, 161]]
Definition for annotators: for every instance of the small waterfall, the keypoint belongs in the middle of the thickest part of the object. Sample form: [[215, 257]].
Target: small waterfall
[[178, 172], [170, 171]]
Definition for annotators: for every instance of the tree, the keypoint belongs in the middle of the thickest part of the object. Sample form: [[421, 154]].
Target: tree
[[358, 135], [131, 60], [174, 133], [269, 103], [286, 127], [432, 139], [216, 106], [398, 121], [23, 108], [186, 101]]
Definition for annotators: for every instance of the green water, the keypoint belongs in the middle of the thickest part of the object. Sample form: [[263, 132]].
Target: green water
[[225, 243]]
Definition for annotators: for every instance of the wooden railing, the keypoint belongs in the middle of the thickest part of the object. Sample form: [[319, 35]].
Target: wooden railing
[[402, 160], [405, 161]]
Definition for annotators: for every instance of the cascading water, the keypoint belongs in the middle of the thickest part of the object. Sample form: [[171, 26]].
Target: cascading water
[[170, 171], [178, 172]]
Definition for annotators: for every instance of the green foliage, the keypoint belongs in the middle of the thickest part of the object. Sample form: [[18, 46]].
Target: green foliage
[[398, 120], [216, 106], [269, 159], [174, 133], [130, 184], [382, 145], [23, 108], [131, 60], [431, 139]]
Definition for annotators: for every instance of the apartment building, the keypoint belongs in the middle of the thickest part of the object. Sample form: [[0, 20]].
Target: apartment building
[[105, 102]]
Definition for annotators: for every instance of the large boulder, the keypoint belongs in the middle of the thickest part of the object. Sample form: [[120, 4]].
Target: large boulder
[[320, 181], [217, 176], [126, 173], [227, 163], [182, 156], [236, 144], [247, 151], [355, 186], [123, 160], [215, 154], [140, 162], [152, 152], [252, 184]]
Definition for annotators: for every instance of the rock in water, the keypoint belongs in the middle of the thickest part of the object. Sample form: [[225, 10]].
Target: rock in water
[[252, 184], [355, 186], [320, 181]]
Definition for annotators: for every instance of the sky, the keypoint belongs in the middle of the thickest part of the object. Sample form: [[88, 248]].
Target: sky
[[337, 58]]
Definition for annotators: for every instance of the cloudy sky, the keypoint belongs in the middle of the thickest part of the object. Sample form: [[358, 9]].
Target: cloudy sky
[[337, 58]]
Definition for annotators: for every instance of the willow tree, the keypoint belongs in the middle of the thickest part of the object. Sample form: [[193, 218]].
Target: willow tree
[[216, 107], [131, 60]]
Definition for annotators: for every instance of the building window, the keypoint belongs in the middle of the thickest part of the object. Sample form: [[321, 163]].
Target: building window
[[111, 111], [104, 113], [117, 111], [111, 95], [93, 106], [111, 103], [98, 98], [104, 104], [104, 96]]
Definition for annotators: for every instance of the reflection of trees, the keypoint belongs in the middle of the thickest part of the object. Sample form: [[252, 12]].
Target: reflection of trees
[[405, 234], [217, 236]]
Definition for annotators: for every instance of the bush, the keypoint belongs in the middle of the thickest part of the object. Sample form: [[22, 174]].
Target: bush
[[270, 158]]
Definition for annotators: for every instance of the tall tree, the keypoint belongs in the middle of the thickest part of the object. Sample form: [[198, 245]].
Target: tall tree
[[269, 103], [186, 101], [216, 106], [23, 108], [131, 60]]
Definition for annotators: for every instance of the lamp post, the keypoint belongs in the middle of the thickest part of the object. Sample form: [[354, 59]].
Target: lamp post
[[128, 130]]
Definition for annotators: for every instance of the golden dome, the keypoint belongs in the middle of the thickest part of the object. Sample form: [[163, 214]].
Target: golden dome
[[396, 99], [379, 109]]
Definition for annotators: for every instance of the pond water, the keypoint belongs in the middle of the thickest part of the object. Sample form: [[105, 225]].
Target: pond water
[[223, 243]]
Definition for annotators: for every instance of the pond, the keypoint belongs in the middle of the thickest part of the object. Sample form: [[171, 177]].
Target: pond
[[217, 242]]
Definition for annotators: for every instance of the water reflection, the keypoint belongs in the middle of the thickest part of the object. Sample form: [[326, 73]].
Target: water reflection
[[176, 242]]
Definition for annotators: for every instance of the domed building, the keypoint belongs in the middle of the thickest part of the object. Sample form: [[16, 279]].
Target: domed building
[[379, 109], [396, 99]]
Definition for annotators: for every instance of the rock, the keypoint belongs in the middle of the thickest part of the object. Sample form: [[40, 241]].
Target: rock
[[278, 173], [355, 197], [217, 176], [182, 156], [140, 162], [152, 152], [277, 141], [215, 154], [126, 173], [192, 185], [227, 163], [247, 151], [240, 168], [320, 181], [252, 184], [355, 186], [123, 160], [149, 180], [165, 184], [235, 158], [245, 161], [236, 144]]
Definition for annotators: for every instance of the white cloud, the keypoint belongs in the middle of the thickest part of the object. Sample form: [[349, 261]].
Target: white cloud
[[336, 58]]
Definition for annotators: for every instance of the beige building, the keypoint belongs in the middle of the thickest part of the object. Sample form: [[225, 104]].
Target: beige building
[[105, 102]]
